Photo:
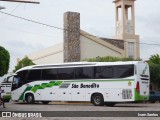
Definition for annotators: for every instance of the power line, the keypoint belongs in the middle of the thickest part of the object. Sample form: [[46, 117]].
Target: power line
[[150, 44], [10, 13], [24, 31], [64, 29], [21, 1], [31, 20]]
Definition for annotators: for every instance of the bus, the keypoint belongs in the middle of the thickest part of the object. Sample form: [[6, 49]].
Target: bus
[[6, 84], [101, 83]]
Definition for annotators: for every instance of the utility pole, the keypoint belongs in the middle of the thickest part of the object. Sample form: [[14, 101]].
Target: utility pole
[[22, 1]]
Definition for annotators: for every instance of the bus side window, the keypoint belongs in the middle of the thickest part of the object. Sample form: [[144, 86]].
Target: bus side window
[[9, 79], [16, 81], [84, 72], [34, 75], [103, 72], [20, 79], [78, 72], [5, 80], [66, 73], [49, 74], [123, 71]]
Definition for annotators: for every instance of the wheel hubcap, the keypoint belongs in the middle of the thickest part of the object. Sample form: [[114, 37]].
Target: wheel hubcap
[[97, 99], [29, 98]]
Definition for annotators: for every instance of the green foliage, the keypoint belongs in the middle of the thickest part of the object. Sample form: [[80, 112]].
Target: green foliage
[[154, 65], [155, 59], [109, 59], [23, 63], [4, 61]]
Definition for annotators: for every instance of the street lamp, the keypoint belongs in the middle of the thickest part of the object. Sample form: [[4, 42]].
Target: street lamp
[[2, 7]]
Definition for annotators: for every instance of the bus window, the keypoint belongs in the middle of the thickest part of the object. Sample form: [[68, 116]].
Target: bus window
[[10, 79], [66, 73], [34, 75], [49, 74], [5, 80], [19, 79], [16, 81], [123, 71], [143, 69], [84, 72], [103, 72]]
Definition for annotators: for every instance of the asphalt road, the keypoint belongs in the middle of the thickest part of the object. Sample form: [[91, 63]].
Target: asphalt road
[[79, 111]]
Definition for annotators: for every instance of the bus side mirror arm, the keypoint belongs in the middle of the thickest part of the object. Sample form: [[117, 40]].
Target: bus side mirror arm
[[14, 74]]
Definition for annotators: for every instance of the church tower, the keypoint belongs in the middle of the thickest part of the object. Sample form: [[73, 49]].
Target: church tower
[[125, 27]]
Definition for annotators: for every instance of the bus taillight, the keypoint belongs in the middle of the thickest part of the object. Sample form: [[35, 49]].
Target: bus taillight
[[137, 87]]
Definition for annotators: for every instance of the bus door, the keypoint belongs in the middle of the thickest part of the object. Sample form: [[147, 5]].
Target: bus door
[[18, 86]]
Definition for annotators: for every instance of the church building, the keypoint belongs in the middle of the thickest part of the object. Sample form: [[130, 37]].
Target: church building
[[79, 45]]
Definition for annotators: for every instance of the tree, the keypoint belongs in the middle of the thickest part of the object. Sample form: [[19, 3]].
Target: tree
[[109, 59], [4, 61], [155, 59], [154, 65], [23, 63]]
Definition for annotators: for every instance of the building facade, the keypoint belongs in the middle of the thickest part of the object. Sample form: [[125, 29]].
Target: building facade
[[79, 45]]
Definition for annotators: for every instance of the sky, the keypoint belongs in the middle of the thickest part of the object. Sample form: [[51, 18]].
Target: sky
[[21, 37]]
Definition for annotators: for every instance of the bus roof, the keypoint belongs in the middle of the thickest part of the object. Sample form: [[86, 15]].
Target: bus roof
[[78, 64]]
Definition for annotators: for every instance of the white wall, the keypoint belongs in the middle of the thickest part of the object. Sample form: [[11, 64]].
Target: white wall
[[92, 49], [51, 55], [89, 49]]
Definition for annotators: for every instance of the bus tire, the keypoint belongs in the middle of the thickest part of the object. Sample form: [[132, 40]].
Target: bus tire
[[152, 101], [30, 98], [45, 102], [97, 99], [110, 104]]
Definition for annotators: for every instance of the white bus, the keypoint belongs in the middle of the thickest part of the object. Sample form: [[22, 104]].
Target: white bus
[[101, 83], [6, 84]]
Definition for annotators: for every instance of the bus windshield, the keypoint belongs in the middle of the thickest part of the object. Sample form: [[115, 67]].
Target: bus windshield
[[143, 69]]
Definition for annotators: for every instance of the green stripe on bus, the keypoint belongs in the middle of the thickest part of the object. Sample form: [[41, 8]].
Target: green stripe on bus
[[42, 86], [50, 84], [139, 97], [58, 83], [27, 89], [35, 88]]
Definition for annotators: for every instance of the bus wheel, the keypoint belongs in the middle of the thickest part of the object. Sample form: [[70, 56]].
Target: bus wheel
[[110, 104], [30, 98], [152, 101], [97, 99], [45, 102]]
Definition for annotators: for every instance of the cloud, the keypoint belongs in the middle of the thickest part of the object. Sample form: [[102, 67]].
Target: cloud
[[18, 49], [148, 50]]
